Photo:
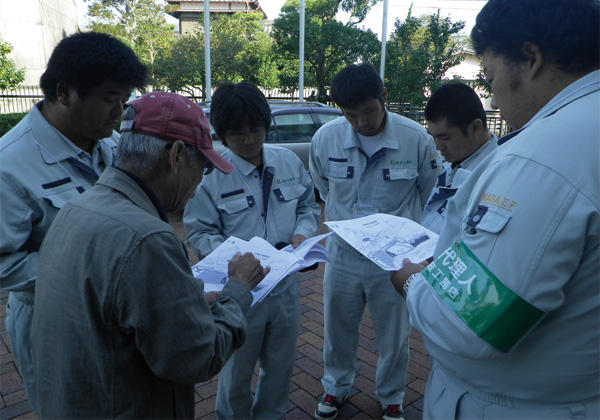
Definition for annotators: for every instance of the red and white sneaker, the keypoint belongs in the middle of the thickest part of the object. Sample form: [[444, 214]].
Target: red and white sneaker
[[329, 407], [393, 412]]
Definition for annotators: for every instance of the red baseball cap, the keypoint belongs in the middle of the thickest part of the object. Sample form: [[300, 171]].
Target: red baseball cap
[[170, 116]]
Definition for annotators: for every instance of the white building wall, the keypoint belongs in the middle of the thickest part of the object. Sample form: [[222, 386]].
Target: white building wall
[[467, 69], [33, 28]]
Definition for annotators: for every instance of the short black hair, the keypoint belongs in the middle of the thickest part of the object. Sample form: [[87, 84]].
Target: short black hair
[[235, 105], [566, 31], [87, 60], [458, 103], [355, 84]]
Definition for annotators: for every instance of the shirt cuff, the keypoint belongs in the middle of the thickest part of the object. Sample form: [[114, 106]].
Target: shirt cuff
[[239, 292]]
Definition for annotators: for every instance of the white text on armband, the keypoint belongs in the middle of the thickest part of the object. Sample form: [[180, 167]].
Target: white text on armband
[[489, 308]]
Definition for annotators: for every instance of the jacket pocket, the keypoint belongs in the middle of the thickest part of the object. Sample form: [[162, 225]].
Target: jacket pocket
[[483, 228], [487, 219], [398, 174], [59, 199], [289, 192], [338, 170], [234, 206]]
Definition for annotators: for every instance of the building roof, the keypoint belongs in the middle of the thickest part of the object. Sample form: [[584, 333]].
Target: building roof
[[216, 6]]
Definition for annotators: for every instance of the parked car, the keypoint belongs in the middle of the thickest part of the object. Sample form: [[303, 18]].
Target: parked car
[[293, 125]]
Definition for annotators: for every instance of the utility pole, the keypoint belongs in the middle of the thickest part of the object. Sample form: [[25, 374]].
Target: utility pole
[[383, 38], [301, 73], [208, 84]]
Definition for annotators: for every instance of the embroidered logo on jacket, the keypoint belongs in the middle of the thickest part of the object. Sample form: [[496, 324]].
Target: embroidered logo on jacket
[[498, 201], [286, 181]]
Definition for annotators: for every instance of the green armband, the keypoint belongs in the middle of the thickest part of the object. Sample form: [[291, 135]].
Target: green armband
[[492, 310]]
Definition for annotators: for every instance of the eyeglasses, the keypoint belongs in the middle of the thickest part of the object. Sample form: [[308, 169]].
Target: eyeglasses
[[208, 165]]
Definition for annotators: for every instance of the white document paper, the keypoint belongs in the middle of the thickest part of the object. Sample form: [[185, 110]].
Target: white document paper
[[213, 270], [387, 240]]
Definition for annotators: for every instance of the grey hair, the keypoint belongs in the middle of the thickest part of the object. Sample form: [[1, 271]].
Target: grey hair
[[140, 152]]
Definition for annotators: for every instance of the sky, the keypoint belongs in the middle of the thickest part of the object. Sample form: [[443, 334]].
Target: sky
[[464, 10]]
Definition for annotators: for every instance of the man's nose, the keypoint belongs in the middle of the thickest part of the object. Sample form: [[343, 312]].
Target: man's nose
[[117, 110], [493, 102]]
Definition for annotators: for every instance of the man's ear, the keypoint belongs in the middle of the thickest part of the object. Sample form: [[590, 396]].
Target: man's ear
[[175, 156], [384, 95], [475, 127], [535, 59], [64, 91]]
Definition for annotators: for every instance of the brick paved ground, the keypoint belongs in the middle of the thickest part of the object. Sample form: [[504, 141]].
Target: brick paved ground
[[305, 387]]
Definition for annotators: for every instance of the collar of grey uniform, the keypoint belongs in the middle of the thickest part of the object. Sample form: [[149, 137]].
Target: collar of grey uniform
[[151, 194], [582, 87], [490, 143], [57, 146], [52, 140], [120, 181], [242, 164], [388, 139]]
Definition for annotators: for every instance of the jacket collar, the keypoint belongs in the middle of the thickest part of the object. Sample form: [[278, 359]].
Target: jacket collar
[[388, 139], [121, 181], [54, 146], [491, 143], [582, 87], [242, 164]]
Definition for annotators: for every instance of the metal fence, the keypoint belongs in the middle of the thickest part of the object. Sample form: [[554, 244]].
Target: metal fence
[[23, 98], [494, 121], [20, 99]]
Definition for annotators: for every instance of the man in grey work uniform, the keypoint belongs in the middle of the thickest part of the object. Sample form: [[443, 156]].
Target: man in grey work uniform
[[122, 328], [509, 309], [457, 122], [54, 154], [370, 161], [269, 195]]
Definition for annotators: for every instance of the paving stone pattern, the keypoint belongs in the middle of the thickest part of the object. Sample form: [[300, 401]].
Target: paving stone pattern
[[305, 388]]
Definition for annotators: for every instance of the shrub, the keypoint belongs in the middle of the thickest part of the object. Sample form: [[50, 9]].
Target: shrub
[[8, 121]]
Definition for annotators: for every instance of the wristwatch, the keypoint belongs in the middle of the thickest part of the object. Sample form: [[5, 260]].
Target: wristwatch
[[407, 284]]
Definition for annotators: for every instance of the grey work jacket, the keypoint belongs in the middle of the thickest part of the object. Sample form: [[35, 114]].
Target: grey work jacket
[[122, 329]]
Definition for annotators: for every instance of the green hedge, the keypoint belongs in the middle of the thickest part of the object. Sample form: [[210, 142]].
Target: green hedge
[[8, 121]]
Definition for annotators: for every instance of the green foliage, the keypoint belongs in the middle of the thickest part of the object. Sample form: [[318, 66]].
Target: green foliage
[[330, 45], [241, 50], [482, 87], [10, 76], [8, 121], [419, 53], [358, 9], [139, 23], [181, 67]]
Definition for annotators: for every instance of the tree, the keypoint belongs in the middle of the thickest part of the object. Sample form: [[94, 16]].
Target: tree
[[139, 23], [180, 68], [330, 45], [241, 50], [482, 87], [10, 76], [419, 53]]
